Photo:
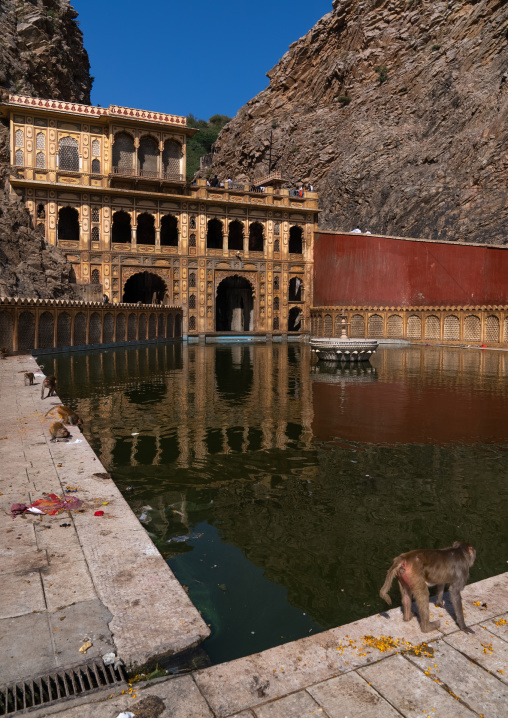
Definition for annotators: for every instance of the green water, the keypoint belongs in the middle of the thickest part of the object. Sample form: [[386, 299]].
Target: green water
[[279, 492]]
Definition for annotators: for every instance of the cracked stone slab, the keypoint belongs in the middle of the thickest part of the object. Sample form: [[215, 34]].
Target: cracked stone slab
[[26, 647], [351, 695]]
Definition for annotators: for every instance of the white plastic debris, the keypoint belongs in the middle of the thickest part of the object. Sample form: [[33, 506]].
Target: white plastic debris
[[126, 714], [76, 441], [136, 433], [33, 510], [111, 659]]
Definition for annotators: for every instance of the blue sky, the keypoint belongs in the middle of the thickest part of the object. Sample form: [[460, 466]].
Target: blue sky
[[180, 57]]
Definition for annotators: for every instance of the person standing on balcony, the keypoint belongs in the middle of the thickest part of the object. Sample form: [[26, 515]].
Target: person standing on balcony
[[215, 181]]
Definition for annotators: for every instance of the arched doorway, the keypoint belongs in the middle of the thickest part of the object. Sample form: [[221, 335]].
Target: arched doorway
[[144, 287], [295, 319], [234, 309]]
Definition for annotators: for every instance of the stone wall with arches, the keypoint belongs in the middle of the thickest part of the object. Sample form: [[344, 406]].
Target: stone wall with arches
[[37, 325], [442, 325]]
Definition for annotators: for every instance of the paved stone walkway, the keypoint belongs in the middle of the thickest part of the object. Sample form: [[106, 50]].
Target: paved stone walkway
[[373, 668], [97, 578]]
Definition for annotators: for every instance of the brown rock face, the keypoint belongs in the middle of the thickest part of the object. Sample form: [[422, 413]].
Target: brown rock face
[[42, 55], [397, 112]]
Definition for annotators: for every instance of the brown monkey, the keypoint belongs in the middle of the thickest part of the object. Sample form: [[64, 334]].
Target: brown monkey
[[30, 376], [417, 570], [49, 383], [58, 431], [67, 415]]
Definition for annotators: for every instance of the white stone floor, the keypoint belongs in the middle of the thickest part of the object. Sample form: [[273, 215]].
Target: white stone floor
[[372, 668]]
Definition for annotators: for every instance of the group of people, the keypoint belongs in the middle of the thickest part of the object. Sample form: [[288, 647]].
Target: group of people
[[228, 184]]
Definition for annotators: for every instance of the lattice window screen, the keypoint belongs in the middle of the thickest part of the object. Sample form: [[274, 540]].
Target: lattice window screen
[[375, 326], [492, 329], [94, 333], [192, 323], [120, 328], [19, 138], [63, 330], [26, 331], [45, 338], [192, 279], [96, 166], [171, 157], [95, 214], [152, 326], [394, 326], [414, 328], [276, 229], [131, 327], [357, 328], [432, 327], [276, 245], [192, 222], [472, 329], [451, 328], [96, 235], [19, 158], [328, 325], [276, 282], [276, 322], [148, 155], [506, 329], [142, 326], [95, 278], [68, 154], [276, 303], [6, 329], [123, 151], [79, 329], [96, 148], [192, 301], [40, 160], [108, 328], [40, 141], [192, 240]]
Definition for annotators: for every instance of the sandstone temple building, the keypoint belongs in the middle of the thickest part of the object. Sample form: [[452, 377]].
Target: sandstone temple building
[[108, 186]]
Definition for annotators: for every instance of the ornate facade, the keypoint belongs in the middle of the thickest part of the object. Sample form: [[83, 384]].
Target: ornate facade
[[107, 185]]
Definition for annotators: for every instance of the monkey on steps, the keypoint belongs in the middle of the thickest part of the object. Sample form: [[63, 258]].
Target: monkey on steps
[[67, 415], [59, 432], [417, 570]]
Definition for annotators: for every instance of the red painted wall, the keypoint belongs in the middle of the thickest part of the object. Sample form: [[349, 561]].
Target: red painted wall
[[385, 271]]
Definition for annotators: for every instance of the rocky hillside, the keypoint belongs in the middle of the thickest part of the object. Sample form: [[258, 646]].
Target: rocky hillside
[[41, 54], [397, 112]]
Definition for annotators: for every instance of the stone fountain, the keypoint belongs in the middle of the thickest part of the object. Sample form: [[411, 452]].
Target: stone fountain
[[343, 348]]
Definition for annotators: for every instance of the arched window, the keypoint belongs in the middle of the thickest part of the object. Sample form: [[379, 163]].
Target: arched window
[[192, 240], [68, 224], [95, 214], [146, 229], [192, 301], [41, 211], [276, 245], [414, 327], [95, 277], [472, 329], [123, 153], [148, 156], [171, 159], [235, 235], [451, 327], [192, 222], [169, 231], [96, 148], [375, 326], [68, 154], [96, 166], [63, 330], [19, 158], [40, 141], [108, 328], [276, 229], [295, 240], [492, 329], [276, 303], [192, 279], [295, 289], [357, 328], [95, 234], [276, 282], [276, 323], [120, 328], [192, 324], [19, 138], [121, 230], [40, 160], [214, 234], [327, 325], [432, 327], [256, 237], [394, 326]]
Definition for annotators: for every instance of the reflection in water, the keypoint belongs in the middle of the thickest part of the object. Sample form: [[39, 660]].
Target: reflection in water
[[280, 492]]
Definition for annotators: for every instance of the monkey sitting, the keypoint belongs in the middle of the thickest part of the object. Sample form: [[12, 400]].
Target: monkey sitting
[[67, 415], [59, 432], [417, 570], [49, 383], [30, 376]]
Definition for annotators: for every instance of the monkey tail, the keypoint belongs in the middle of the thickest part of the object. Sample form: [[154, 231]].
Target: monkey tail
[[52, 409], [392, 572]]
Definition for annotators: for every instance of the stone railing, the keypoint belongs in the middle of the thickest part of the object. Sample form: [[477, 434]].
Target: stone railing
[[442, 325], [38, 325]]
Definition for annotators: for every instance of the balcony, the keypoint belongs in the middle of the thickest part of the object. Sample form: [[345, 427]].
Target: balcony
[[136, 173]]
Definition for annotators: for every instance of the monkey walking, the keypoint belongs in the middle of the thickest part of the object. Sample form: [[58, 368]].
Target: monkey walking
[[67, 415], [49, 383], [59, 432], [417, 570], [30, 376]]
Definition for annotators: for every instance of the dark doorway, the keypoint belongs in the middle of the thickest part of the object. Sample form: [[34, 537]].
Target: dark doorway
[[169, 231], [234, 305], [295, 240], [68, 224], [214, 234], [235, 235], [145, 288], [121, 231], [256, 237], [295, 319], [146, 229], [295, 289]]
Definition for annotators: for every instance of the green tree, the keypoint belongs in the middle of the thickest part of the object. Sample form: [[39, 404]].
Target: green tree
[[201, 143]]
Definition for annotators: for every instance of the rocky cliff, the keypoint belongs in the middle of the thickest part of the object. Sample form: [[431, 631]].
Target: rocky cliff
[[41, 54], [397, 112]]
